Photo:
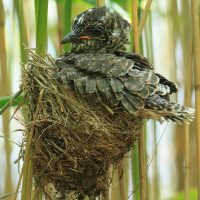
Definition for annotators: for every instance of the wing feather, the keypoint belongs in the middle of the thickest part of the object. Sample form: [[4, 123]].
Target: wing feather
[[116, 84], [123, 79], [91, 85], [128, 105]]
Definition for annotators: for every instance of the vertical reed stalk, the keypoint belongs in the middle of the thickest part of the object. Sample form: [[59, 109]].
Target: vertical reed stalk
[[22, 30], [41, 47], [41, 9], [122, 180], [134, 154], [152, 185], [60, 27], [67, 20], [36, 12], [100, 3], [115, 186], [105, 195], [135, 173], [156, 188], [176, 26], [41, 24], [135, 27], [144, 16], [141, 144], [27, 172], [27, 168], [27, 181], [196, 40], [188, 57], [5, 90], [188, 94]]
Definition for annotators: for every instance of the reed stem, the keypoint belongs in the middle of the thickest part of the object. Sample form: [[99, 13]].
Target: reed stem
[[144, 16], [122, 181], [136, 47], [22, 30], [60, 27], [188, 59], [67, 20], [141, 146], [196, 40], [41, 20], [5, 90], [141, 143], [100, 3]]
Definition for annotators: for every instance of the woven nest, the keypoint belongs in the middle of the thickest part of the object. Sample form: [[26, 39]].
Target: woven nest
[[73, 143]]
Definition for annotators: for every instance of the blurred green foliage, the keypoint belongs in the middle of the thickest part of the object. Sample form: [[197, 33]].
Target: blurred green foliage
[[180, 195]]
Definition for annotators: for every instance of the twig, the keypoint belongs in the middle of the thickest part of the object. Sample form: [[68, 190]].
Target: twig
[[144, 16], [10, 102]]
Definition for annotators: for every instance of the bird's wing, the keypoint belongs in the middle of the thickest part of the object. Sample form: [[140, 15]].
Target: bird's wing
[[139, 60], [143, 63], [110, 79], [173, 87]]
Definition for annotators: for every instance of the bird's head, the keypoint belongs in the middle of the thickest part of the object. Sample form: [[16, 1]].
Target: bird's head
[[98, 30]]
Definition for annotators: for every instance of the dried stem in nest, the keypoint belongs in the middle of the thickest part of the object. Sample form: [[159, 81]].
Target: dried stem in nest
[[73, 143]]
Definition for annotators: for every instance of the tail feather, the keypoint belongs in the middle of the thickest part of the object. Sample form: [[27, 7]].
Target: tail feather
[[170, 110]]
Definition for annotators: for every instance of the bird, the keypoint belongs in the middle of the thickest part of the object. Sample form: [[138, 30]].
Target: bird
[[99, 69]]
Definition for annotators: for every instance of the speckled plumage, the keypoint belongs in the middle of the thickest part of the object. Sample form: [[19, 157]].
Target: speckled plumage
[[99, 69], [108, 30]]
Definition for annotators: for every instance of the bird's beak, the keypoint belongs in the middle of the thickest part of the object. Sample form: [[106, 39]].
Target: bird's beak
[[68, 38]]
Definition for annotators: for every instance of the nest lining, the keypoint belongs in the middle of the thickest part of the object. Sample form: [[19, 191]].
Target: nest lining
[[74, 143]]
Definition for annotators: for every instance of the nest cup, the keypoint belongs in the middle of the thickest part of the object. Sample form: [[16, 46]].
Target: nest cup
[[73, 143]]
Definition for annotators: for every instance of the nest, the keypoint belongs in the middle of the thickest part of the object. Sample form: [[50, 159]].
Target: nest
[[73, 143]]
